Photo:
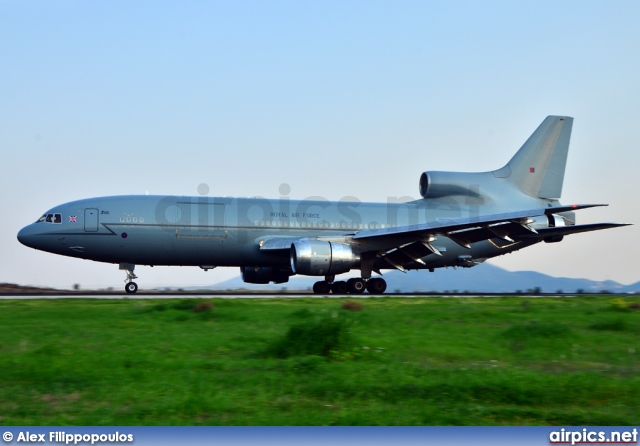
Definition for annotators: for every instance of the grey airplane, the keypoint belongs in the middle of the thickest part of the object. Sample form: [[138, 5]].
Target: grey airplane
[[461, 220]]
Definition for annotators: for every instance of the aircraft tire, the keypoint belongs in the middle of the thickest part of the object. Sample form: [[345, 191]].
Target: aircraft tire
[[131, 287], [356, 286], [376, 286], [321, 287], [339, 287]]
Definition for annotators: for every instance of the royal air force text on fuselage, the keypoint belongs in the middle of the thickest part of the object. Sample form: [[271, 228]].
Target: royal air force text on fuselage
[[294, 215]]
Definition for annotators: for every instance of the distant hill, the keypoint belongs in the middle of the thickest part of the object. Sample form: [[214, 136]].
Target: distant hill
[[12, 288], [484, 278]]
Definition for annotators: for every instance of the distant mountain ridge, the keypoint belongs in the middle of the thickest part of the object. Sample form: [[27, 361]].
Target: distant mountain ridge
[[484, 278]]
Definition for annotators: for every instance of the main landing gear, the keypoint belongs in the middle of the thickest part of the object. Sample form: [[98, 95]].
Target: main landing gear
[[130, 286], [351, 286]]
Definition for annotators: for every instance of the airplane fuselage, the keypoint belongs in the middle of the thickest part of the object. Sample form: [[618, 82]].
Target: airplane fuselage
[[221, 231]]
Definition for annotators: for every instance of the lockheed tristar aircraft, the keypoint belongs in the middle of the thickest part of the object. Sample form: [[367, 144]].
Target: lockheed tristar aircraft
[[462, 219]]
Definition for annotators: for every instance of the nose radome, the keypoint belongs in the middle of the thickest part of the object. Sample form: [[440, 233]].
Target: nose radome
[[25, 236]]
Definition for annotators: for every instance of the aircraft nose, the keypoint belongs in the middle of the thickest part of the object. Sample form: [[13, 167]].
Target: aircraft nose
[[26, 236]]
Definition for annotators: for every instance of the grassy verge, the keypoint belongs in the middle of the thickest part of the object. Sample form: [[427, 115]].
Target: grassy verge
[[389, 361]]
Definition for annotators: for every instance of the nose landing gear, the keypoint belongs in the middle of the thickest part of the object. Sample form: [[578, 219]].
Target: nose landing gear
[[130, 286]]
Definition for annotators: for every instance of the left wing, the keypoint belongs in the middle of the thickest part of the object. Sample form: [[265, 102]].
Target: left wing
[[518, 219], [406, 244], [402, 245]]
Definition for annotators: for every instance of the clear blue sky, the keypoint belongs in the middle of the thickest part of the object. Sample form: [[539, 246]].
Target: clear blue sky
[[333, 98]]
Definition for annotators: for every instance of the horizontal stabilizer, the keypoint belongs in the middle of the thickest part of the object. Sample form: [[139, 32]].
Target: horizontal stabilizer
[[571, 207]]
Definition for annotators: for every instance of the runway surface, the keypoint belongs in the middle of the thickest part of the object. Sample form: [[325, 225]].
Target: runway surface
[[139, 296], [244, 295]]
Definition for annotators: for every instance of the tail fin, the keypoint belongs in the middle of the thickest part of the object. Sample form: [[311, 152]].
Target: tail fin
[[537, 169]]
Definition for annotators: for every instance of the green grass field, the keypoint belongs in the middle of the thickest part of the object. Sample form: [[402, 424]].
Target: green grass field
[[395, 361]]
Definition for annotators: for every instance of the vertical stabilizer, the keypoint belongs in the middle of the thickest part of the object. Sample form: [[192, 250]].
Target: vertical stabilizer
[[537, 169]]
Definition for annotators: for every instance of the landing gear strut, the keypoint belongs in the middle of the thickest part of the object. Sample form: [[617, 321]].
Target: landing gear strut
[[130, 286], [351, 286]]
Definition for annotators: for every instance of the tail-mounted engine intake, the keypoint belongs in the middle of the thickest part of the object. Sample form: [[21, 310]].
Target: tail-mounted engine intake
[[263, 274], [320, 258], [441, 184]]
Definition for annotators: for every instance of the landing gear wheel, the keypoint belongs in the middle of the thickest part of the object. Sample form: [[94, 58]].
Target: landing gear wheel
[[321, 287], [131, 287], [376, 286], [339, 287], [356, 286]]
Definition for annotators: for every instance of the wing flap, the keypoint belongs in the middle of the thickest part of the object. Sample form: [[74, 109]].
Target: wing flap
[[506, 232], [409, 252]]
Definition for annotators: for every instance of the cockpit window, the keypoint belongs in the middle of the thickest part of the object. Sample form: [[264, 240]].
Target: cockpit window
[[51, 218]]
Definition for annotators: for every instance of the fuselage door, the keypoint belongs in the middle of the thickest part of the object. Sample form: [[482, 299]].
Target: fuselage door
[[91, 220]]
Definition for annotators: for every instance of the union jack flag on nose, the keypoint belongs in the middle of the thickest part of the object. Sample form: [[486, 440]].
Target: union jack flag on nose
[[73, 219]]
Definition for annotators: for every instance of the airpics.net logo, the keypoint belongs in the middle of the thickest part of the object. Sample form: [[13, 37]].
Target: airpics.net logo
[[589, 436]]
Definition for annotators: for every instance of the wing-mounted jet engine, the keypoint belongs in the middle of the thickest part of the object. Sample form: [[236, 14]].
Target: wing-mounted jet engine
[[322, 258]]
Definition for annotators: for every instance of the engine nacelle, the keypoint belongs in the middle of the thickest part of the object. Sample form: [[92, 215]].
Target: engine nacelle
[[441, 184], [549, 221], [320, 258], [554, 222], [263, 275]]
